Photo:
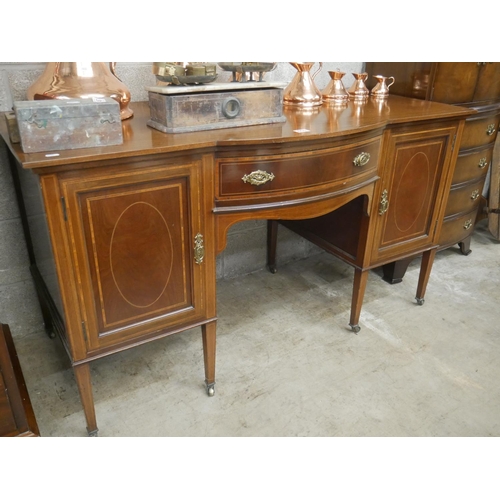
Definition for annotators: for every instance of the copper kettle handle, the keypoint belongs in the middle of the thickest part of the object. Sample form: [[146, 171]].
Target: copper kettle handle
[[318, 70], [112, 67]]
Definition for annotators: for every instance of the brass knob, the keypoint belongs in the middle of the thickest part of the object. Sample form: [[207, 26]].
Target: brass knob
[[482, 162], [491, 129], [258, 177], [468, 224], [361, 160], [475, 194]]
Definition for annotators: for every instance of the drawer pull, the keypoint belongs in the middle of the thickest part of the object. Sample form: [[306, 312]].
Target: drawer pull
[[491, 129], [468, 224], [384, 203], [475, 194], [361, 160], [258, 177], [482, 162], [199, 249]]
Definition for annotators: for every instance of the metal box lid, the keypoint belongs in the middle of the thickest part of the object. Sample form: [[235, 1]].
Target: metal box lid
[[58, 124]]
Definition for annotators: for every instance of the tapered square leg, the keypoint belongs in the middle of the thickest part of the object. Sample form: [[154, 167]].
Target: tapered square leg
[[209, 336], [358, 293], [84, 383], [425, 272], [272, 241]]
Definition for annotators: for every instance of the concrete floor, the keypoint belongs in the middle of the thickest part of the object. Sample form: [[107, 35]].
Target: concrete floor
[[288, 365]]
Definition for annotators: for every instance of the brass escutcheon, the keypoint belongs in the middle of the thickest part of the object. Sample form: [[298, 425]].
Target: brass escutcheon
[[468, 224], [362, 159], [258, 177], [482, 162], [475, 194], [384, 203], [491, 129], [199, 249]]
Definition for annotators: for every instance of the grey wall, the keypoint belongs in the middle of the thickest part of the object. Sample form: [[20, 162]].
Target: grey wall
[[245, 251]]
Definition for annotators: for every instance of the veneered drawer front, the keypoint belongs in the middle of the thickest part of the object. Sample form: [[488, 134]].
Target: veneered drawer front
[[479, 132], [464, 198], [472, 166], [457, 228], [279, 175]]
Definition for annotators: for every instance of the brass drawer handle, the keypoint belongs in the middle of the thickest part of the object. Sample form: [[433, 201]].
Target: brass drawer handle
[[384, 203], [468, 224], [491, 129], [199, 249], [482, 162], [475, 194], [361, 160], [258, 177]]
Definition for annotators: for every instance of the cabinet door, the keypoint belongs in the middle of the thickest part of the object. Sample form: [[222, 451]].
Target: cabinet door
[[138, 244], [488, 84], [411, 193]]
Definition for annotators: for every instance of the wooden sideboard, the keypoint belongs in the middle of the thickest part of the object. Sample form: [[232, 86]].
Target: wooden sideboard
[[135, 229], [474, 85]]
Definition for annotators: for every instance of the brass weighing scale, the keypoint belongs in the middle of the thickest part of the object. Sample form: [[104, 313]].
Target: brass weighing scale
[[215, 105]]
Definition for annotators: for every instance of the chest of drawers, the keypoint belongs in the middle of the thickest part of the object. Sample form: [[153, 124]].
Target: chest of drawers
[[470, 84]]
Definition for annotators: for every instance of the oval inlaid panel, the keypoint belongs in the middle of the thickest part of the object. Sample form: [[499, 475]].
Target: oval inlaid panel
[[141, 254], [413, 185]]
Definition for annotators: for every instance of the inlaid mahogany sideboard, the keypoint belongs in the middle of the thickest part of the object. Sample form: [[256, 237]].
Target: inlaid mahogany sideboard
[[134, 229]]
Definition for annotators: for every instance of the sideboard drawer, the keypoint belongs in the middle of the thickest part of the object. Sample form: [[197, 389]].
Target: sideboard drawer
[[480, 132], [464, 198], [277, 176], [457, 228], [472, 166]]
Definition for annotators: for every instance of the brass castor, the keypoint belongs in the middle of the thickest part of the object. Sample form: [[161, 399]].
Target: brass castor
[[420, 302], [94, 433], [210, 389], [355, 328]]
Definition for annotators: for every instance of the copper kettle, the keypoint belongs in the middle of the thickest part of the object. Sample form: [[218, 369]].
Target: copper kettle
[[382, 88], [62, 80], [302, 90], [358, 90], [335, 91]]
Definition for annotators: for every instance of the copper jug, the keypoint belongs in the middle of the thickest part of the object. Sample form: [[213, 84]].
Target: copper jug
[[62, 80], [382, 88], [358, 89], [302, 90], [335, 92]]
